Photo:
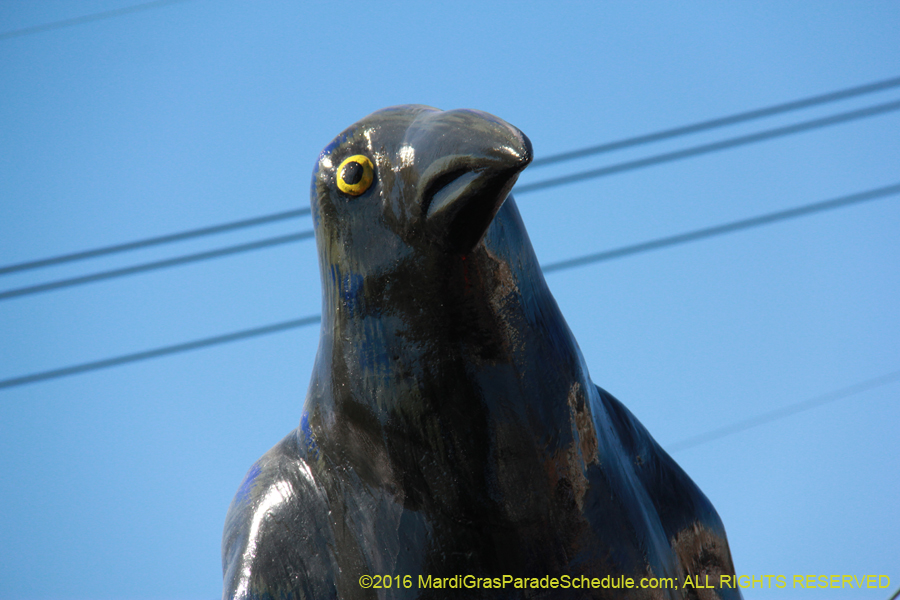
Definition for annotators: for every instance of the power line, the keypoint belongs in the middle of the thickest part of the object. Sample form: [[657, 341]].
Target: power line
[[157, 352], [719, 122], [609, 170], [108, 14], [786, 411], [712, 147], [151, 266], [698, 234], [155, 241], [609, 255], [605, 255], [526, 188]]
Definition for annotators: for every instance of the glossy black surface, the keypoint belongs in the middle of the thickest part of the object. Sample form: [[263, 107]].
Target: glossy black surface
[[450, 426], [352, 173]]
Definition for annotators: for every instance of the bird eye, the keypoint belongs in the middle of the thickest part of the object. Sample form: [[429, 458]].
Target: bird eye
[[355, 175]]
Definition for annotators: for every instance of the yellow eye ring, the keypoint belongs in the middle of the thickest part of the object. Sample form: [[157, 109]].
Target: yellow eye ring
[[355, 174]]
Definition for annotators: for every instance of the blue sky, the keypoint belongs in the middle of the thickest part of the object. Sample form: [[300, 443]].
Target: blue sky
[[115, 483]]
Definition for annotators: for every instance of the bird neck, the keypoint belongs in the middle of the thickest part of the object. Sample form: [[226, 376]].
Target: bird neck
[[466, 337]]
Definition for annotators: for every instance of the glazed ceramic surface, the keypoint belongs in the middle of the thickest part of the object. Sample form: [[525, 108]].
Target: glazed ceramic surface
[[451, 433]]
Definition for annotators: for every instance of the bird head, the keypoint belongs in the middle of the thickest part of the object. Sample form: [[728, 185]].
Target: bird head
[[409, 185]]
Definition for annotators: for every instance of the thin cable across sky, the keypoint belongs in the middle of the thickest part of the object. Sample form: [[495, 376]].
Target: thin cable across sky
[[716, 123], [156, 241], [783, 412], [99, 16], [124, 359], [794, 105], [521, 189], [156, 265], [724, 229], [726, 144]]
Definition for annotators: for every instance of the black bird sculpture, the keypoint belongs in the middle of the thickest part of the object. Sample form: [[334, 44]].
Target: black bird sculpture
[[452, 444]]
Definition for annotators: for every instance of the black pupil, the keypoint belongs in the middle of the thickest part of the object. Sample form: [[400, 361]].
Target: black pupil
[[352, 173]]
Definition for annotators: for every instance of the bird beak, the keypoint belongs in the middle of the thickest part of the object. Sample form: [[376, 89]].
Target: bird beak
[[468, 162]]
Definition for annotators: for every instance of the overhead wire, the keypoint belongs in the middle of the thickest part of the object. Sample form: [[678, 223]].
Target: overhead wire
[[556, 158], [99, 16], [156, 241], [769, 218], [157, 352], [783, 412], [734, 142], [552, 267], [725, 228], [155, 265], [716, 123], [522, 189]]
